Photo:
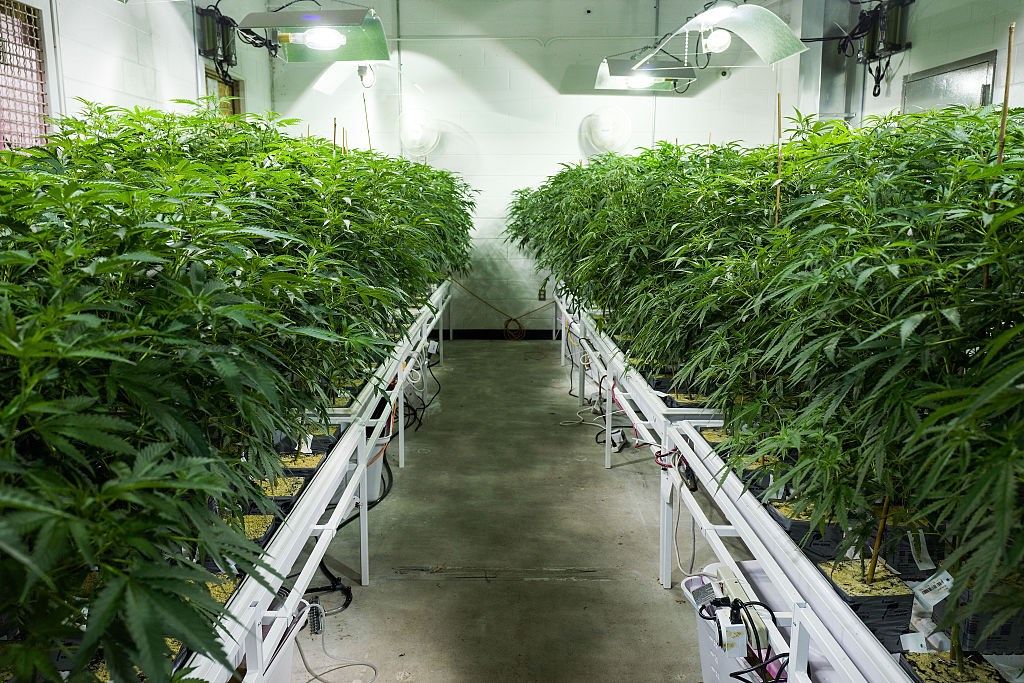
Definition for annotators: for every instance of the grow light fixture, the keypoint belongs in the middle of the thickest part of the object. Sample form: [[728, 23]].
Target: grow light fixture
[[657, 75], [349, 35], [766, 34]]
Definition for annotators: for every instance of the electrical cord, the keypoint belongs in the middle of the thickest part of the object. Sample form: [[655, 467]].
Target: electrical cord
[[763, 666], [345, 662], [513, 326], [865, 23], [878, 75]]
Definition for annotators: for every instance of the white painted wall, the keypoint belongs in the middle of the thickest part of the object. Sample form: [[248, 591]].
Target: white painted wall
[[510, 83], [143, 53], [944, 31]]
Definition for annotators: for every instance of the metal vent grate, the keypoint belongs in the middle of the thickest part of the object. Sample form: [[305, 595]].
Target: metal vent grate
[[23, 105]]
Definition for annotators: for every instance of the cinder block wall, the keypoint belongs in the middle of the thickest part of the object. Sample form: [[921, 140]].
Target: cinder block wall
[[945, 31], [509, 84], [144, 54]]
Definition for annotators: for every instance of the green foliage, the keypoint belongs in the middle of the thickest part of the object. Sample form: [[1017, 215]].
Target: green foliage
[[873, 325], [174, 289]]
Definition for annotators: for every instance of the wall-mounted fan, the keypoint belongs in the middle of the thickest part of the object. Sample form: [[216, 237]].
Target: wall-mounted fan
[[420, 133], [606, 130]]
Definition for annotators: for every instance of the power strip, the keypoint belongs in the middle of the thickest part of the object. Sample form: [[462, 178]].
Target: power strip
[[734, 590], [316, 620]]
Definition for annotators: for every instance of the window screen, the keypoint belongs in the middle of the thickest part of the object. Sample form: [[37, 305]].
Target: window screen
[[23, 105]]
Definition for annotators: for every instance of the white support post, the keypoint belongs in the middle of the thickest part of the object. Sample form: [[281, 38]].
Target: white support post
[[364, 508], [554, 322], [451, 329], [667, 508], [583, 378], [799, 645], [565, 338], [424, 359], [440, 336], [401, 418], [609, 412], [254, 651]]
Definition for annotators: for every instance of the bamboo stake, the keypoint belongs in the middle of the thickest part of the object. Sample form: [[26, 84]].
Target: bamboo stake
[[1001, 149], [778, 179], [1006, 94], [334, 133], [876, 548], [366, 115], [307, 130]]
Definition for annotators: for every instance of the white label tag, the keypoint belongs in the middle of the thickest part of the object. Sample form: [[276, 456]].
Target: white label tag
[[704, 594], [914, 642], [734, 639], [932, 591], [922, 557]]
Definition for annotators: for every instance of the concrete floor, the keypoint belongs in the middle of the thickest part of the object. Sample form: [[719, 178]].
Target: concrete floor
[[506, 552]]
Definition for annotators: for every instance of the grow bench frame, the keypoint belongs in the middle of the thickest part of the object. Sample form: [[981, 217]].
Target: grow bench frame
[[820, 632], [259, 626]]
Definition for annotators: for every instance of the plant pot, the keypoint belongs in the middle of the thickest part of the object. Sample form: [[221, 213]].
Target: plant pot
[[222, 590], [714, 436], [1007, 640], [817, 544], [884, 606], [685, 401], [302, 464], [898, 553], [260, 528], [938, 667], [284, 490], [755, 479]]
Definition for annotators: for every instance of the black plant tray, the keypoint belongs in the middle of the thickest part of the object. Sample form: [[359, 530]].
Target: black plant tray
[[282, 504], [757, 481], [1008, 639], [886, 616], [299, 472], [816, 545], [897, 553]]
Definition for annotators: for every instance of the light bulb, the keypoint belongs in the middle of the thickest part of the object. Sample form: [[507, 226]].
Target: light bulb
[[718, 40], [640, 81], [324, 38]]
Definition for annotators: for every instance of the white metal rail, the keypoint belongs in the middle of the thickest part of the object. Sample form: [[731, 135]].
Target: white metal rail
[[259, 622], [825, 639]]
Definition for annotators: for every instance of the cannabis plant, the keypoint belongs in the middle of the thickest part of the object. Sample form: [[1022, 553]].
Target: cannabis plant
[[852, 299], [175, 290]]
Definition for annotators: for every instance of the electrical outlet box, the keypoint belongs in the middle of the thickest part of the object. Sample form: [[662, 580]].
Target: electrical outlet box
[[734, 590], [542, 293], [734, 636], [432, 347], [316, 624]]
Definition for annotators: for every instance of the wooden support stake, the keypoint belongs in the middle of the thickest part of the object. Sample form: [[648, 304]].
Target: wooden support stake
[[778, 179], [876, 548], [1001, 148], [1006, 94], [334, 132], [366, 115]]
